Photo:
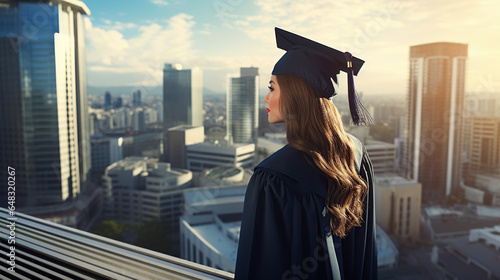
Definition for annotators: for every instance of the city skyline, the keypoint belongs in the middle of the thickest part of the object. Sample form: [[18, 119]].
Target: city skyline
[[83, 159], [128, 43]]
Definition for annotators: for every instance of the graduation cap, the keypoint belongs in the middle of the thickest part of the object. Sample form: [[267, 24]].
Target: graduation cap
[[318, 65]]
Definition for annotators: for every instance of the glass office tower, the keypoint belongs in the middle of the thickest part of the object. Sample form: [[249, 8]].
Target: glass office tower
[[43, 100], [182, 96], [243, 106]]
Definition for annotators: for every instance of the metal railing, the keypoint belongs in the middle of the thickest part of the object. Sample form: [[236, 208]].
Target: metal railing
[[33, 248]]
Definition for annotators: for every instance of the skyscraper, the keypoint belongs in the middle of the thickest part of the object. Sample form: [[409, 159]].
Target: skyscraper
[[43, 100], [136, 101], [182, 96], [118, 103], [107, 99], [243, 106], [432, 150]]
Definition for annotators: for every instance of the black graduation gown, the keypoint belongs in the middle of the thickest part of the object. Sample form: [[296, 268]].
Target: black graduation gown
[[284, 226]]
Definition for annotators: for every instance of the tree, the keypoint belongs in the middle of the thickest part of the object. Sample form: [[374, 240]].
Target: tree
[[156, 236], [108, 228]]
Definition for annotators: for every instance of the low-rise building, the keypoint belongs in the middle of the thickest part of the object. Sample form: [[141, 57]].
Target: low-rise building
[[210, 226], [491, 184], [398, 201], [139, 189], [382, 156], [104, 152], [490, 236], [178, 139], [387, 253], [206, 155], [446, 223]]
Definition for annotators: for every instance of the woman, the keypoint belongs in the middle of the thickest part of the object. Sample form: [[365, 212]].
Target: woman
[[308, 210]]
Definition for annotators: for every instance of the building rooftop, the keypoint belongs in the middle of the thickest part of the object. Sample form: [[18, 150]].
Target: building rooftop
[[182, 127], [457, 268], [435, 211], [151, 165], [212, 236], [77, 5], [489, 175], [451, 226], [371, 144], [387, 253], [218, 201], [487, 211], [479, 252], [225, 173], [392, 180], [223, 143]]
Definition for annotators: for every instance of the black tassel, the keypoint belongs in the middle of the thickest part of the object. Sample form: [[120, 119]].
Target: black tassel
[[359, 114]]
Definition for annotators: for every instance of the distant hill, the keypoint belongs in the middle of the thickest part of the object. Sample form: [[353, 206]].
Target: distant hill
[[128, 90]]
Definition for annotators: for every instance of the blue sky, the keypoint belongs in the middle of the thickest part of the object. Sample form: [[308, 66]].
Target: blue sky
[[128, 42]]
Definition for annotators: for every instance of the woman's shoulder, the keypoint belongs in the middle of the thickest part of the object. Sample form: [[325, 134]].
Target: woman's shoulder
[[359, 150], [291, 165], [276, 160], [286, 161]]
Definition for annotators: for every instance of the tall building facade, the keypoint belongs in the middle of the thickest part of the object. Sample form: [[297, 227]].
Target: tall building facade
[[243, 106], [136, 98], [107, 99], [484, 145], [182, 99], [43, 100], [432, 139], [182, 96]]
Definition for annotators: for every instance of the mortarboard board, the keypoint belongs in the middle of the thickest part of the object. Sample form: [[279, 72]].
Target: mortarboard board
[[318, 65]]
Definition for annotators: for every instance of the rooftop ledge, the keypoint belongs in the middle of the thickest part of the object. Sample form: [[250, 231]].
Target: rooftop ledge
[[46, 250]]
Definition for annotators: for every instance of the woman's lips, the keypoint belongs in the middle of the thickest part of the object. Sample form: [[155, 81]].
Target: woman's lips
[[268, 110]]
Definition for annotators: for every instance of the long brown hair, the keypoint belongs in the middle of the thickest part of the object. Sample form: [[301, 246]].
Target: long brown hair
[[314, 126]]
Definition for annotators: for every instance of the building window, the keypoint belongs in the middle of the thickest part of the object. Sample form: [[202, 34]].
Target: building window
[[200, 257], [408, 204], [209, 262], [400, 224], [182, 246], [188, 250]]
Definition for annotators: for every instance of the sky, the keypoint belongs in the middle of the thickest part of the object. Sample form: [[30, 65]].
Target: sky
[[128, 42]]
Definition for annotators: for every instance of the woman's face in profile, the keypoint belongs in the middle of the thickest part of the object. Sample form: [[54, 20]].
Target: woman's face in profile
[[273, 101]]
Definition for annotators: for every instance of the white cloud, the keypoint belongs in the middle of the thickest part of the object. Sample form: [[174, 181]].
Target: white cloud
[[159, 2], [108, 51], [242, 23], [123, 25], [117, 25]]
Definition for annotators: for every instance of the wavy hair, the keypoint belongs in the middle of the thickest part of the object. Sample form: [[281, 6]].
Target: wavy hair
[[314, 126]]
